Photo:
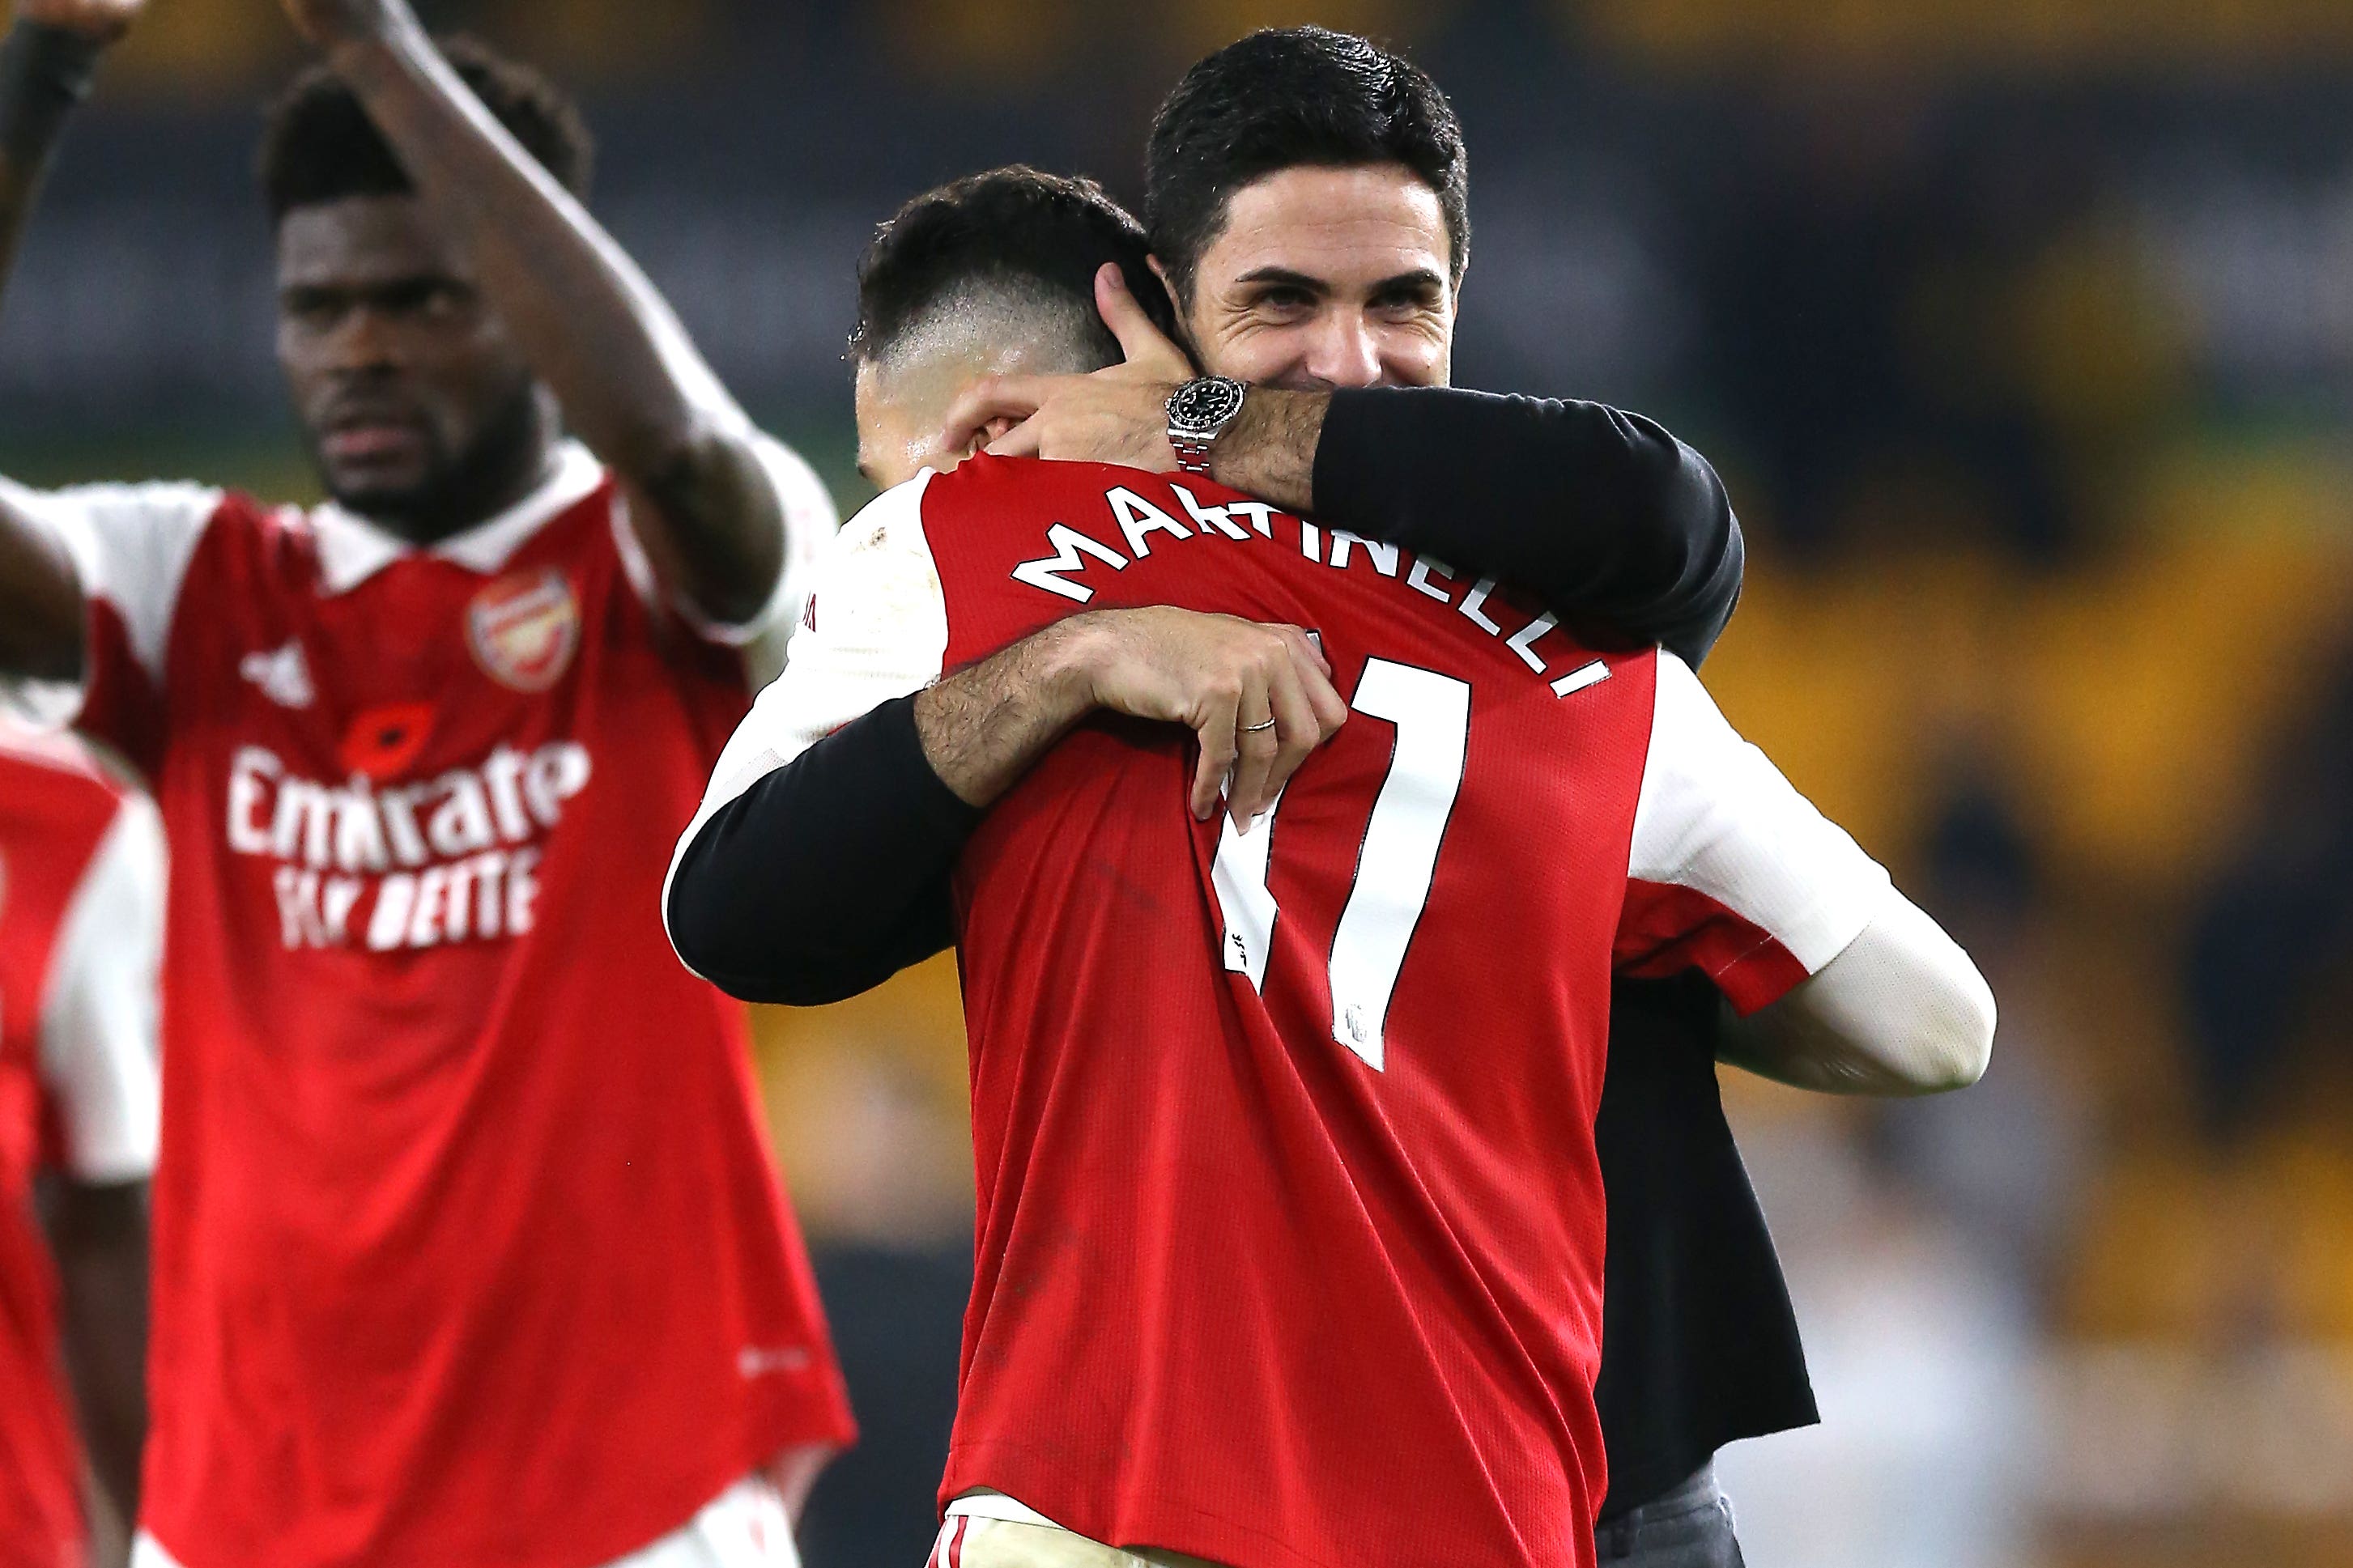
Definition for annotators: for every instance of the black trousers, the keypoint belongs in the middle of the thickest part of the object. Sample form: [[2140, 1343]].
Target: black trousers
[[1687, 1526]]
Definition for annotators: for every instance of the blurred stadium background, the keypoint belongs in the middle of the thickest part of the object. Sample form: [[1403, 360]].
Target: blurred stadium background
[[2024, 332]]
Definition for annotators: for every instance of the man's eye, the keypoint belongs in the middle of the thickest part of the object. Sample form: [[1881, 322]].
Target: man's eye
[[431, 300], [313, 313], [1286, 300]]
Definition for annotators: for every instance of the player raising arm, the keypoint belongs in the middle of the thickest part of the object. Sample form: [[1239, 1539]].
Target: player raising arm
[[467, 1247], [507, 263], [607, 346], [47, 67]]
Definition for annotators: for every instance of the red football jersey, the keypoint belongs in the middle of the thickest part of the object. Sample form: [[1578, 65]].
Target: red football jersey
[[467, 1246], [80, 923], [1289, 1233]]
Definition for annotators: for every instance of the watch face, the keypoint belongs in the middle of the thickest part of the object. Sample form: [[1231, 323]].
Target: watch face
[[1203, 407]]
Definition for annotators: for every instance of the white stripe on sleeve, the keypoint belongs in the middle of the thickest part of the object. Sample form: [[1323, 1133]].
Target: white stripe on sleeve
[[130, 545], [810, 522]]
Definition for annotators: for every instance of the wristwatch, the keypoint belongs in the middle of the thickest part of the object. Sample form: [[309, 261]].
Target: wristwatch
[[1198, 412]]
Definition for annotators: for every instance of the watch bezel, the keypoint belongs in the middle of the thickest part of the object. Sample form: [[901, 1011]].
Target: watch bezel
[[1184, 415]]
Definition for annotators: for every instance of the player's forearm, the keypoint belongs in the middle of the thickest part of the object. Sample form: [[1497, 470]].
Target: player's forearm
[[1902, 1011], [45, 72], [1613, 524], [1269, 451], [631, 380], [99, 1235], [984, 727]]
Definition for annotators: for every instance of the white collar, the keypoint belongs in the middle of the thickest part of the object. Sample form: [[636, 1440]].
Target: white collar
[[352, 549]]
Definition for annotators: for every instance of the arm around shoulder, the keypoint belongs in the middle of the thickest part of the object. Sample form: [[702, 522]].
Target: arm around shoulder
[[1614, 524]]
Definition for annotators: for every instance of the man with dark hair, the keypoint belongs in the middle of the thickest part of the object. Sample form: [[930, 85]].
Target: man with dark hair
[[987, 273], [1308, 205], [318, 144], [991, 275], [1288, 99], [1309, 214], [1290, 1229], [467, 1248]]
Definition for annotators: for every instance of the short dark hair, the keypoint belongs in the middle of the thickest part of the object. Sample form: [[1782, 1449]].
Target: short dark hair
[[1286, 97], [318, 144], [1016, 225]]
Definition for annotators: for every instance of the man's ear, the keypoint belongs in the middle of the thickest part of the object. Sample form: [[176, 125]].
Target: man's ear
[[1176, 305]]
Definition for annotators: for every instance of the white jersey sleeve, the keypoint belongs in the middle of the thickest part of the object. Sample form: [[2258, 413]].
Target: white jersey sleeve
[[877, 629], [130, 546], [811, 523], [98, 1057], [1732, 870]]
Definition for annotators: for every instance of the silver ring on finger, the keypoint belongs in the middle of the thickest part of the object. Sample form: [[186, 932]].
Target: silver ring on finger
[[1254, 729]]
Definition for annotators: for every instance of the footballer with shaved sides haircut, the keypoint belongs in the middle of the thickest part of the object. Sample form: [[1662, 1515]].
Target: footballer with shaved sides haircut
[[990, 275]]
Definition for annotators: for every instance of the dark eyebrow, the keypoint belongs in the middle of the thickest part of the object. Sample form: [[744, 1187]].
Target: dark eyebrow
[[1284, 278], [1420, 280], [408, 284]]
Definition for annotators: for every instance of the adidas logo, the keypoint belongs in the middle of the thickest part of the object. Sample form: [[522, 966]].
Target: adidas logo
[[283, 675]]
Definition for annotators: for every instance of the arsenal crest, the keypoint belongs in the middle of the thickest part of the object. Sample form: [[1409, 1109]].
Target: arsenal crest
[[525, 630]]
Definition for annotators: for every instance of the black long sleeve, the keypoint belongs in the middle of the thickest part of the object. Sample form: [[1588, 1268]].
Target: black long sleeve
[[1610, 522], [830, 873], [827, 876]]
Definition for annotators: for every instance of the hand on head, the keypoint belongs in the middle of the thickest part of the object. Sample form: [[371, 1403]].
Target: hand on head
[[1116, 415]]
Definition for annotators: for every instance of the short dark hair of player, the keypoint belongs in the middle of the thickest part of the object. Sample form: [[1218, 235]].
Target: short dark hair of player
[[1015, 230], [319, 146], [1284, 97]]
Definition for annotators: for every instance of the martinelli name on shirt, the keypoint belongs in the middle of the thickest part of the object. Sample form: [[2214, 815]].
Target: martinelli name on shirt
[[1137, 521]]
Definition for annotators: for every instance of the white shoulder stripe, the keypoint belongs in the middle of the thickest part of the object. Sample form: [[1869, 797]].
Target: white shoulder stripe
[[130, 546]]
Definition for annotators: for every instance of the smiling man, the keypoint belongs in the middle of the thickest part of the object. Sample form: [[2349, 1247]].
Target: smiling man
[[467, 1247], [1308, 204]]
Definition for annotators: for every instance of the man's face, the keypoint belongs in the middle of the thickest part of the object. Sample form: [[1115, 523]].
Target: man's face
[[1327, 277], [409, 387]]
